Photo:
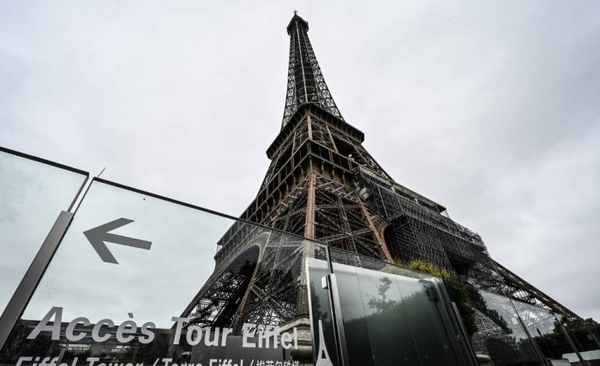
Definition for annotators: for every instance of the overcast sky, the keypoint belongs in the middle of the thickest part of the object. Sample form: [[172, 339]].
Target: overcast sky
[[491, 109]]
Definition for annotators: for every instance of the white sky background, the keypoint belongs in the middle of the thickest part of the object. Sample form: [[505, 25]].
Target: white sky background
[[491, 109]]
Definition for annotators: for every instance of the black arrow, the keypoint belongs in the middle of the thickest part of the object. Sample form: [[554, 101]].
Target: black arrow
[[99, 235]]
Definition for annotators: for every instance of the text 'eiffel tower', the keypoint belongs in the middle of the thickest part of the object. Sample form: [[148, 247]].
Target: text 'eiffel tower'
[[322, 184]]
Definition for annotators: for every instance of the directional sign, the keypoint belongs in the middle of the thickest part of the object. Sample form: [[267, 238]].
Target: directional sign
[[98, 237]]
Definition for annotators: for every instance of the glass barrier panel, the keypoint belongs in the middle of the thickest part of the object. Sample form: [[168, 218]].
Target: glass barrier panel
[[141, 280], [389, 301], [493, 325], [544, 329], [32, 195], [492, 321], [585, 334], [390, 314], [401, 320]]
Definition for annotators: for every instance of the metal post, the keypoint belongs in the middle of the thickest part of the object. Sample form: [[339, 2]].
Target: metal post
[[328, 258], [536, 349], [336, 313], [453, 323], [570, 341], [20, 299], [595, 338], [463, 331]]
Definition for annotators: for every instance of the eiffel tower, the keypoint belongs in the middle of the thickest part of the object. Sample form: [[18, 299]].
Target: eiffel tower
[[322, 184]]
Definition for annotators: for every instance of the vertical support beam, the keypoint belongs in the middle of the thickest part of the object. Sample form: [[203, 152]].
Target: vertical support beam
[[339, 334], [380, 239], [309, 124], [293, 137], [345, 224], [16, 305], [595, 339], [309, 247], [331, 139], [470, 351], [311, 206], [570, 341], [451, 321], [537, 350]]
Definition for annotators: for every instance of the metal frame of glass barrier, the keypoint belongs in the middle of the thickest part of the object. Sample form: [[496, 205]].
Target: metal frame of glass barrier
[[336, 311], [18, 302], [42, 160]]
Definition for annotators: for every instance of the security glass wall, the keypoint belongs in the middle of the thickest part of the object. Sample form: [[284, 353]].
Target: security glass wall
[[544, 329], [512, 332], [32, 194], [139, 279], [559, 340], [389, 315], [134, 281], [502, 331], [586, 338]]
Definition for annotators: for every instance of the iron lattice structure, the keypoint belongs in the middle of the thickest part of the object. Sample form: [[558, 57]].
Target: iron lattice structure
[[322, 184]]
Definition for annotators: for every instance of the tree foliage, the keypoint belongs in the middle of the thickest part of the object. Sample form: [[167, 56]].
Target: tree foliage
[[466, 297]]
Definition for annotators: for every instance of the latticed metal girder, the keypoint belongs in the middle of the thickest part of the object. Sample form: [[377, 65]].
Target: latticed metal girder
[[282, 311], [305, 79], [532, 292], [221, 296]]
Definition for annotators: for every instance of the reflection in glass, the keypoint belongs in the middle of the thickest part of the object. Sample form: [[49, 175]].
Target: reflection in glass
[[500, 335], [354, 313], [32, 195], [391, 319], [495, 326], [585, 333], [544, 329], [387, 319]]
